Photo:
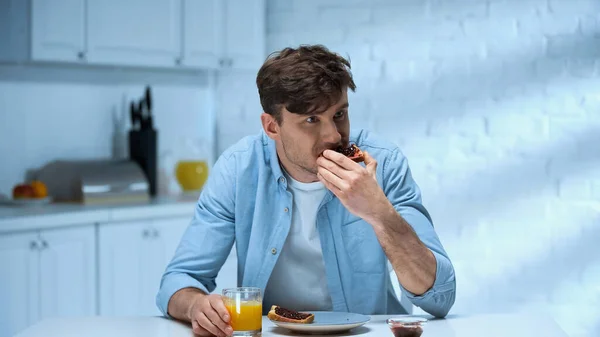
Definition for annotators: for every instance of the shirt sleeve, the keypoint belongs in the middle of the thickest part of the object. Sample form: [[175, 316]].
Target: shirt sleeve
[[207, 241], [405, 196]]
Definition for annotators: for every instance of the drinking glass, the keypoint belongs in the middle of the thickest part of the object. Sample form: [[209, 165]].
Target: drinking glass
[[245, 309]]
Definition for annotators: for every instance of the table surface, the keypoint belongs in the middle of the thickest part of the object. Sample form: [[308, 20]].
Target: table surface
[[497, 325]]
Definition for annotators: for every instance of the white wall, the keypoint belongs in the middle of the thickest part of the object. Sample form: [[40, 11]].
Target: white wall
[[81, 117], [497, 105]]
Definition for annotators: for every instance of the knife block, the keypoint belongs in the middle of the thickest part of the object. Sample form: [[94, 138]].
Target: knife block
[[142, 150]]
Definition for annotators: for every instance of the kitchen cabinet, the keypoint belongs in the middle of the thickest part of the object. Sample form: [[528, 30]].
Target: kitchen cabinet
[[67, 272], [57, 30], [47, 273], [19, 282], [245, 34], [168, 34], [202, 33], [224, 34], [135, 32], [133, 257]]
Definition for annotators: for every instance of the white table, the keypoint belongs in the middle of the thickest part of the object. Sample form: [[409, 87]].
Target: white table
[[452, 326]]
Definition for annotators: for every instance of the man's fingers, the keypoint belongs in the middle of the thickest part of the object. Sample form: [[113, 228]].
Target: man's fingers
[[330, 186], [370, 162], [219, 306], [214, 317], [333, 167], [198, 330], [333, 179], [206, 323], [341, 160]]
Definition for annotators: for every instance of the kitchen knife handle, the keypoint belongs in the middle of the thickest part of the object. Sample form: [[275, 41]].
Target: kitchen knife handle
[[141, 114], [149, 100], [132, 113], [149, 123]]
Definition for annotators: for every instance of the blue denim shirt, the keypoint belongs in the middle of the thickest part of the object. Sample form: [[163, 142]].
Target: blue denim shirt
[[244, 202]]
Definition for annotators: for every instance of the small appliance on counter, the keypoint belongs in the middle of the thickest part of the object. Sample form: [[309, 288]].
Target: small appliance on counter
[[95, 181], [143, 139]]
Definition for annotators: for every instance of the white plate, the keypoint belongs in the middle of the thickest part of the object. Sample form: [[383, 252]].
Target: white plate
[[26, 202], [327, 322]]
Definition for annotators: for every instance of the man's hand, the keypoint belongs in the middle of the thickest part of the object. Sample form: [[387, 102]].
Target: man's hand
[[354, 185], [209, 316]]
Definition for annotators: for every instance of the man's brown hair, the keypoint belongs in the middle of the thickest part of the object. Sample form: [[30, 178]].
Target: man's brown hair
[[305, 80]]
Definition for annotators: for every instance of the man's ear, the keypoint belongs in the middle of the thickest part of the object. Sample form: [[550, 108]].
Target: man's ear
[[270, 125]]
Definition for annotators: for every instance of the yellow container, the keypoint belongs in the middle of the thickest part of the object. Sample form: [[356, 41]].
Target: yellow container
[[245, 316], [244, 305], [191, 174]]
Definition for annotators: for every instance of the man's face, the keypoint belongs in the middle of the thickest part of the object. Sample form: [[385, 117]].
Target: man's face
[[303, 138]]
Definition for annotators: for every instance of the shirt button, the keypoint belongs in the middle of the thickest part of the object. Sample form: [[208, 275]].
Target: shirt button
[[282, 180], [274, 251], [286, 209]]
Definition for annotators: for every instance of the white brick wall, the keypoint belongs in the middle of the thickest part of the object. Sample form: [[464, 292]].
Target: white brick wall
[[496, 103]]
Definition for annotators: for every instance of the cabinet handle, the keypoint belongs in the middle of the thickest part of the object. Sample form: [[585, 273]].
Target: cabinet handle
[[222, 62], [155, 233], [81, 55], [178, 61], [146, 234], [44, 244], [229, 62], [33, 245]]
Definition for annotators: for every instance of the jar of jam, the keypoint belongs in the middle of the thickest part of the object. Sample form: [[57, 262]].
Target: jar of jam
[[406, 326]]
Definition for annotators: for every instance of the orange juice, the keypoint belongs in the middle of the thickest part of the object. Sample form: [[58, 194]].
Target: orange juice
[[246, 315]]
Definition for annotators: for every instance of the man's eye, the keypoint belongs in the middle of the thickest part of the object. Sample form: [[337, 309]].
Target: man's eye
[[340, 114], [311, 119]]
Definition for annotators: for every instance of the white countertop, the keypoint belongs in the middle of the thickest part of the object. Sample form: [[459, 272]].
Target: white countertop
[[18, 218], [453, 326]]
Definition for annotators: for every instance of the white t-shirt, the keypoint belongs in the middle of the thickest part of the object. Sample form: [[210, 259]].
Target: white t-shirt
[[298, 280]]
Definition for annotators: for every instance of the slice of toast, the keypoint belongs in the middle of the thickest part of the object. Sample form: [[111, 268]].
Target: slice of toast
[[352, 152], [278, 313]]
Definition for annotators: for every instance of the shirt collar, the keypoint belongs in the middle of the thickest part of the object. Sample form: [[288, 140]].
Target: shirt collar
[[272, 158]]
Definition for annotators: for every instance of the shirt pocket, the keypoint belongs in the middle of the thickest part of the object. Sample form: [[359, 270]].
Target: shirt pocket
[[363, 248]]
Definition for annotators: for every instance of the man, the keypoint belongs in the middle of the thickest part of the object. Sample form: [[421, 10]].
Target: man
[[313, 229]]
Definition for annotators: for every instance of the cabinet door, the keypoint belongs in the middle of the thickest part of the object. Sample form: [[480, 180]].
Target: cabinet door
[[19, 262], [203, 33], [163, 241], [134, 32], [133, 257], [122, 251], [57, 30], [68, 272], [168, 235], [245, 33]]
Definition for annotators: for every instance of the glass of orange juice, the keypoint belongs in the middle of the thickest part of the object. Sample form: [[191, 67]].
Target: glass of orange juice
[[245, 308]]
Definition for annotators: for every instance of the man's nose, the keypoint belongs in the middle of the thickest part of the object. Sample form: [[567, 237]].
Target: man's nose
[[331, 134]]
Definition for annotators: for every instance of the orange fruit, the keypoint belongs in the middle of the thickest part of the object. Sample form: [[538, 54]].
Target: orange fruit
[[23, 191], [40, 190]]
